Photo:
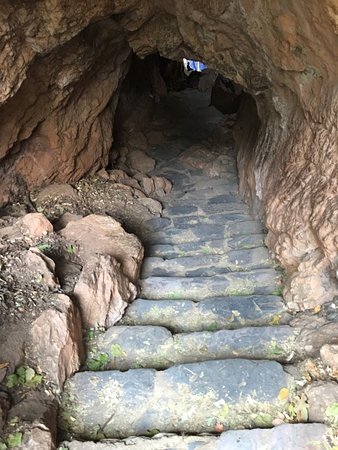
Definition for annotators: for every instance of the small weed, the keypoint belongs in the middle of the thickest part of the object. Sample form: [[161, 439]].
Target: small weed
[[299, 409], [332, 413], [275, 349], [153, 432], [117, 351], [14, 440], [174, 295], [206, 250], [70, 249], [182, 254], [44, 247], [212, 326], [279, 290], [23, 376], [276, 319], [98, 363], [89, 336]]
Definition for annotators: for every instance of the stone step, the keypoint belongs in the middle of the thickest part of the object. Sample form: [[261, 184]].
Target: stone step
[[259, 282], [207, 265], [207, 247], [183, 222], [190, 398], [225, 193], [132, 347], [298, 436], [210, 218], [240, 223], [225, 202], [185, 208], [181, 316], [200, 232], [211, 194]]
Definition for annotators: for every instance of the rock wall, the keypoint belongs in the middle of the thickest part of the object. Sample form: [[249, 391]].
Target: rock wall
[[57, 120], [61, 69]]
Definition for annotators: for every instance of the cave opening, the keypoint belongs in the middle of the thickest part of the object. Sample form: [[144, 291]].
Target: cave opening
[[160, 98]]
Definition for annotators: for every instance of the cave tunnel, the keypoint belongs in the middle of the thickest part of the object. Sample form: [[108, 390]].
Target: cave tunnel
[[223, 182]]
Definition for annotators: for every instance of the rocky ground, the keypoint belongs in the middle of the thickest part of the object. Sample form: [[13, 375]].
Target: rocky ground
[[203, 341]]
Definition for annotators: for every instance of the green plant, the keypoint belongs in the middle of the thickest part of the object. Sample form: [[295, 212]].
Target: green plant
[[174, 295], [212, 326], [43, 247], [276, 319], [153, 432], [14, 439], [89, 335], [97, 363], [332, 413], [278, 290], [70, 249], [117, 351], [23, 376], [275, 350], [206, 250]]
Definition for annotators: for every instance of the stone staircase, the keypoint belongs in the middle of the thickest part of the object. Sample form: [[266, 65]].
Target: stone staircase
[[207, 346]]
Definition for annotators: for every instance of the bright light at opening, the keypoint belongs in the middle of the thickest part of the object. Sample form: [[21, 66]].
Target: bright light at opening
[[190, 66]]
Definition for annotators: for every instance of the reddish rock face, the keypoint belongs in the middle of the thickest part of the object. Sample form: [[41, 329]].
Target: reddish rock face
[[62, 65]]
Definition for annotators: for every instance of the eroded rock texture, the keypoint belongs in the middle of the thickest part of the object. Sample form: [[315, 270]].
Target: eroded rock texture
[[63, 62]]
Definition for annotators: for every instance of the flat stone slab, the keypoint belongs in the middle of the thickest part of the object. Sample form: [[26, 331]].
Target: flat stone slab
[[181, 316], [207, 247], [300, 436], [194, 219], [207, 265], [174, 199], [189, 398], [259, 282], [184, 207], [228, 188], [201, 232], [130, 347]]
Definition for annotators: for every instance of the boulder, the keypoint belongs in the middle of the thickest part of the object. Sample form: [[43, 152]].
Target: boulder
[[139, 161], [103, 235], [55, 340], [320, 396], [41, 267], [35, 225], [329, 355], [103, 291]]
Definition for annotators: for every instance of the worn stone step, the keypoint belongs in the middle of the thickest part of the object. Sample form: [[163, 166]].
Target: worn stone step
[[211, 314], [218, 199], [182, 222], [207, 247], [131, 347], [225, 188], [298, 436], [207, 265], [190, 398], [211, 218], [225, 193], [186, 207], [189, 233], [231, 221], [259, 282]]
